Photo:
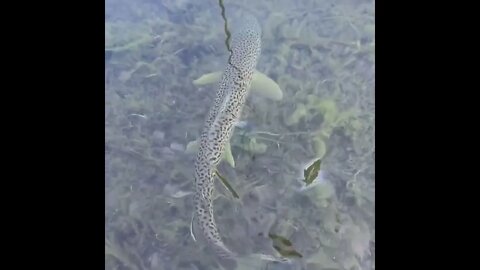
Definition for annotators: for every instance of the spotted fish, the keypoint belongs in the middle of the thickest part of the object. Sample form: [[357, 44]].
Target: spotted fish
[[219, 125]]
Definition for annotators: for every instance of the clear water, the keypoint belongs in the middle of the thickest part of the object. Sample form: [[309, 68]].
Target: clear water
[[322, 56]]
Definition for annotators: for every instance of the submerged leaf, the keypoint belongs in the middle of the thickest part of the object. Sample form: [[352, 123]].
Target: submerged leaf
[[328, 108], [300, 112], [319, 147], [227, 185], [283, 246], [311, 172], [254, 147]]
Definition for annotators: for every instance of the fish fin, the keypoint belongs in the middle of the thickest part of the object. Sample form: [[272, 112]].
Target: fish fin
[[227, 155], [192, 147], [264, 86], [208, 78]]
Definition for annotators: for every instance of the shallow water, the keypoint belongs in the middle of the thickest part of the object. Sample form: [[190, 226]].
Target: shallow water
[[321, 54]]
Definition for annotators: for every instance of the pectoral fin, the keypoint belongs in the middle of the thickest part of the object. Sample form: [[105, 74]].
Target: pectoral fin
[[227, 155], [208, 78], [262, 85]]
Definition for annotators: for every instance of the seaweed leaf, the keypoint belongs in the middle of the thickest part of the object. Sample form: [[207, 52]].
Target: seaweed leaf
[[284, 246], [227, 185], [311, 172]]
